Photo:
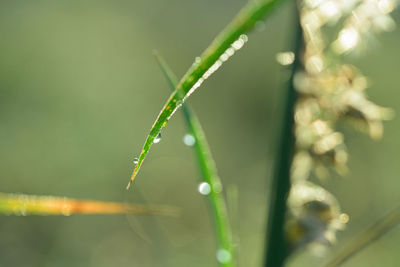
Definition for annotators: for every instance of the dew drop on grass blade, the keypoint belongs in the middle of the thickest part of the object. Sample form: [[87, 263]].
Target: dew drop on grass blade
[[231, 39]]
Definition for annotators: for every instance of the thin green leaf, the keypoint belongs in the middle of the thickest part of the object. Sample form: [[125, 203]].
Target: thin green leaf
[[21, 204], [208, 173], [276, 246], [372, 234], [224, 45]]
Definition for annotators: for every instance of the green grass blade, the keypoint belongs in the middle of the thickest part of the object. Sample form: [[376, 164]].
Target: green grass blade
[[276, 247], [209, 174], [21, 204], [381, 227], [223, 46]]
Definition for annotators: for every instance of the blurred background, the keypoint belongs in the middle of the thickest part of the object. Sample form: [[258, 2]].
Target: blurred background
[[79, 90]]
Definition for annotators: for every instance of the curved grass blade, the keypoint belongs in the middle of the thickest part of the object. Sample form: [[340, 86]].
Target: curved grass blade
[[21, 204], [231, 39], [208, 172], [373, 233]]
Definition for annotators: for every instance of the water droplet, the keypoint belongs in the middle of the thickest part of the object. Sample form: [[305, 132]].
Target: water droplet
[[230, 51], [244, 37], [210, 71], [204, 188], [157, 139], [179, 103], [135, 160], [285, 58], [224, 57], [223, 256], [197, 60], [238, 44], [189, 140]]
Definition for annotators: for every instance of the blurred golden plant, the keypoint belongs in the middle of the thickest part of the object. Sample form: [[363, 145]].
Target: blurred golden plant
[[21, 204], [330, 91]]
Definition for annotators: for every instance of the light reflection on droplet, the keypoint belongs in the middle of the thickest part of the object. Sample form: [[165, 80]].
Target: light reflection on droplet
[[223, 256], [211, 70], [224, 57], [230, 51], [189, 140], [285, 58], [157, 139], [244, 37], [179, 103], [236, 45], [204, 188], [135, 160], [194, 87]]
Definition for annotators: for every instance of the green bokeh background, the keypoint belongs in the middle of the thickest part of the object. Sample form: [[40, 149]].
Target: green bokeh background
[[79, 90]]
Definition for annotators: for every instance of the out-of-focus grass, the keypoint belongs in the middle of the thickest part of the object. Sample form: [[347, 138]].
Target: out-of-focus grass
[[373, 233], [76, 79], [20, 204]]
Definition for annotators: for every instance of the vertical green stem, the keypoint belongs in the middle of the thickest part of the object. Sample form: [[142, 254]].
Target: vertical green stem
[[225, 253], [276, 242], [209, 175]]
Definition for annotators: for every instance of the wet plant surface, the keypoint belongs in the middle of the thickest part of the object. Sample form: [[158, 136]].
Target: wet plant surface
[[79, 89]]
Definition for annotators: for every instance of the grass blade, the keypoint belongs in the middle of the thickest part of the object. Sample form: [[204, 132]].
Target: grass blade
[[208, 173], [224, 45], [21, 204], [377, 230], [277, 251]]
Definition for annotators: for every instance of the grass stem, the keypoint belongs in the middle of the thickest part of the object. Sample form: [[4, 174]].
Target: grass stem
[[206, 64], [208, 171], [276, 250]]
